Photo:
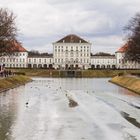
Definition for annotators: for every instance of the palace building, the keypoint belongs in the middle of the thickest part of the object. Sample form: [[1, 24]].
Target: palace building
[[70, 52]]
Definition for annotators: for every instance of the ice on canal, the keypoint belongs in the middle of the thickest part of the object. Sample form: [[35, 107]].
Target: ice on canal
[[45, 110]]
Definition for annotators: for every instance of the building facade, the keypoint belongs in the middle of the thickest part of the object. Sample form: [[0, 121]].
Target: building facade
[[103, 62], [40, 62], [18, 57], [122, 63], [69, 53]]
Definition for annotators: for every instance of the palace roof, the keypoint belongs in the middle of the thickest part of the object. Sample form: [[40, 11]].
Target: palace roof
[[72, 39], [16, 47], [123, 48]]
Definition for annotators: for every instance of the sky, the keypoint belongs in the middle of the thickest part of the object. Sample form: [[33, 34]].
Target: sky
[[102, 22]]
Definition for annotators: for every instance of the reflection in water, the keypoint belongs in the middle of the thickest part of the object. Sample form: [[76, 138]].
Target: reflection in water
[[43, 110], [8, 112]]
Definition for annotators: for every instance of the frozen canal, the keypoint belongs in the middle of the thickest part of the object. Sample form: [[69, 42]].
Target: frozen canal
[[41, 110]]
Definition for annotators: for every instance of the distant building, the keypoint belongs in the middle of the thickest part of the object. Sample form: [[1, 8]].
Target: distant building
[[40, 62], [122, 63], [18, 57], [103, 62], [70, 52]]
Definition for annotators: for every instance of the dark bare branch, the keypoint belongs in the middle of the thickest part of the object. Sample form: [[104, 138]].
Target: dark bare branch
[[133, 39], [8, 29]]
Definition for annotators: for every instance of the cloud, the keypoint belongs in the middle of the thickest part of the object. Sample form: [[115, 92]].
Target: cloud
[[42, 22]]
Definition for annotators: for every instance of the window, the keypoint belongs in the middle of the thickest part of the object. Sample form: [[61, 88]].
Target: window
[[84, 60], [71, 59], [66, 60], [71, 54]]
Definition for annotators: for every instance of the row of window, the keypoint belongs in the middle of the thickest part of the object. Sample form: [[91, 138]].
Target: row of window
[[15, 65], [39, 60], [12, 60], [18, 54], [72, 47], [72, 55], [102, 66], [123, 61], [72, 60], [61, 50]]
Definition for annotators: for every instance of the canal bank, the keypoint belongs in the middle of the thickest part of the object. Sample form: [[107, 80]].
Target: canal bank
[[73, 73], [128, 82], [13, 81]]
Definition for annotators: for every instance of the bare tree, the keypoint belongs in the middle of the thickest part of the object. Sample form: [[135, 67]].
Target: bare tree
[[8, 30], [133, 39]]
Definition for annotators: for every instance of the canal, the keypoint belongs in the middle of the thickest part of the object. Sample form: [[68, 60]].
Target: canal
[[69, 109]]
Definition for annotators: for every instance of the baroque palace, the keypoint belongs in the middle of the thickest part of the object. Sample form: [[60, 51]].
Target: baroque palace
[[70, 52]]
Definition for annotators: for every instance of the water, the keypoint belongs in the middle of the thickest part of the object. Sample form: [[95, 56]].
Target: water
[[40, 111]]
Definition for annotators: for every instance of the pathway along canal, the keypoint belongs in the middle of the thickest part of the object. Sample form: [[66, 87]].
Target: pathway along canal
[[69, 109]]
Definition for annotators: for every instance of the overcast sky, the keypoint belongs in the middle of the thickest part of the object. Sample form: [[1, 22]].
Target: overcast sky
[[41, 22]]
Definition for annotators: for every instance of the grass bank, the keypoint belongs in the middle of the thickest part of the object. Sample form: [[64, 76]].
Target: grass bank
[[12, 82], [129, 82], [84, 73], [107, 73]]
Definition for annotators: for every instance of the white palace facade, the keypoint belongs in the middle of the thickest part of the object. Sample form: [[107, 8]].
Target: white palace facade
[[70, 52]]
